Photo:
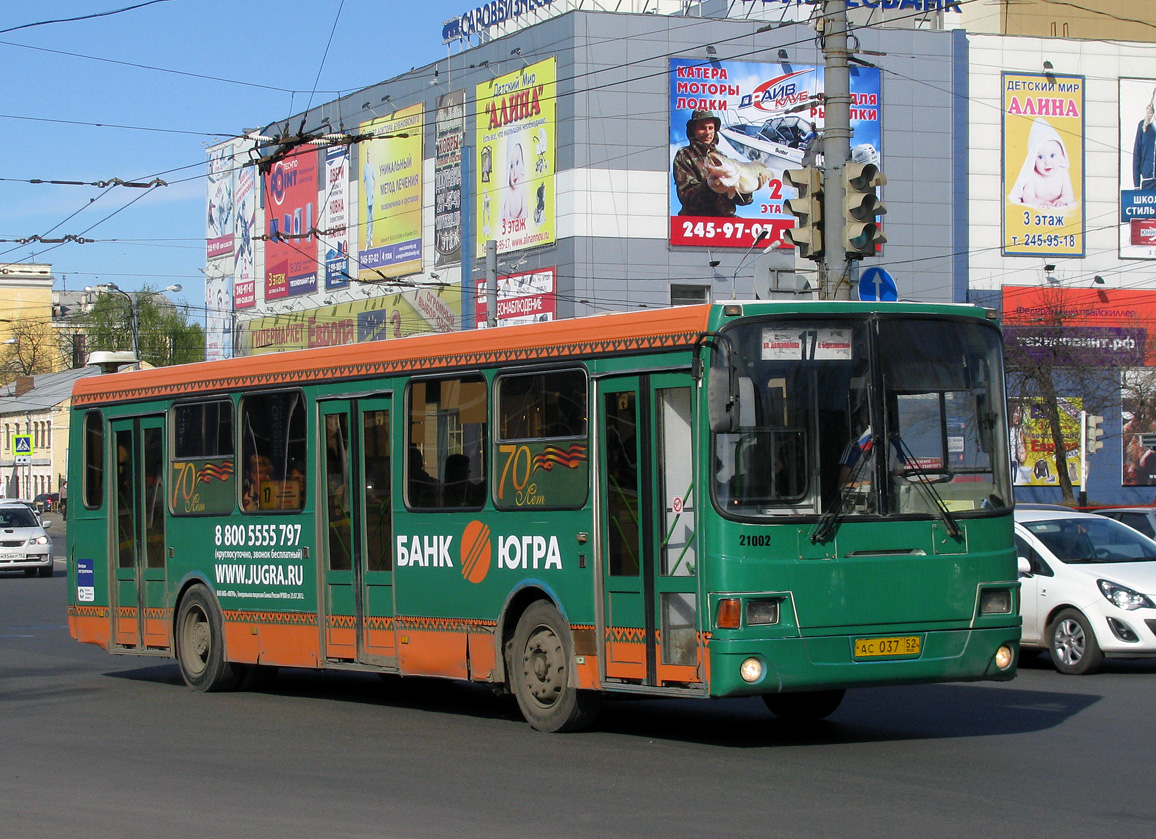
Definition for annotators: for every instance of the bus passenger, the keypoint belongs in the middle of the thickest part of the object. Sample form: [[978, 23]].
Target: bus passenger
[[423, 489], [459, 490]]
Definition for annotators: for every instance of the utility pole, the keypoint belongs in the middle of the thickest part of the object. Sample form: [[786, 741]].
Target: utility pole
[[834, 282]]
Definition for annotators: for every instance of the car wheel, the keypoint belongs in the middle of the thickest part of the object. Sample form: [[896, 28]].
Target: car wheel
[[46, 571], [539, 671], [805, 706], [1073, 645]]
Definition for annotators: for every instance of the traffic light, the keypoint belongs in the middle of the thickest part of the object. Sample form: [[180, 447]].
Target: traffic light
[[807, 234], [861, 205], [1093, 431]]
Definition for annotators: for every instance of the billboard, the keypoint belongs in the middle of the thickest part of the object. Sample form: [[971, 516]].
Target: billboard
[[514, 169], [411, 312], [1043, 164], [1137, 169], [528, 297], [291, 218], [726, 196], [450, 139], [334, 225], [391, 186], [1033, 460], [220, 183], [244, 266], [1103, 327]]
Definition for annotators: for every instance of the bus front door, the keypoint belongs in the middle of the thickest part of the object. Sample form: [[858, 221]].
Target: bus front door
[[357, 514], [646, 506], [138, 530]]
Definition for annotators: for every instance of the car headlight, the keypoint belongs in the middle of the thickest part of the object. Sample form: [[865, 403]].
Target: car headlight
[[1124, 597], [39, 540]]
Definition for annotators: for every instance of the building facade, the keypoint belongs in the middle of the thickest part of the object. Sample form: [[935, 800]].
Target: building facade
[[371, 221]]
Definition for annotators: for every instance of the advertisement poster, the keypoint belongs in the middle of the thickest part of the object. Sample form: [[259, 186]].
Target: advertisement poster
[[335, 217], [450, 133], [291, 219], [529, 297], [1043, 164], [514, 168], [219, 311], [391, 185], [1033, 461], [221, 183], [728, 196], [1102, 327], [411, 312], [244, 284], [1138, 425], [1137, 169]]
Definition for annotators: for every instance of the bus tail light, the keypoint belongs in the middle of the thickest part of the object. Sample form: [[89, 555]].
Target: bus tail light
[[729, 613]]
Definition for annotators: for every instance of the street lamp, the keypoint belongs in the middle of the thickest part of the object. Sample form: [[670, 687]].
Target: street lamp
[[134, 311]]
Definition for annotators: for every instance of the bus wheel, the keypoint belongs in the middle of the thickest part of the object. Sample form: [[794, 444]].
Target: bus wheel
[[539, 673], [805, 706], [200, 638]]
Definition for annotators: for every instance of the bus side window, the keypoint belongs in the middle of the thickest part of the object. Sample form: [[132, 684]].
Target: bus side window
[[202, 468], [273, 452], [541, 458], [93, 460], [447, 432]]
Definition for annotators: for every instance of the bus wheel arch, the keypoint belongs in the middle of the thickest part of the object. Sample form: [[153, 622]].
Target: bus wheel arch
[[199, 642], [539, 663]]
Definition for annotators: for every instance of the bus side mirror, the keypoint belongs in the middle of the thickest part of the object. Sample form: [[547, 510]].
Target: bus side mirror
[[721, 401]]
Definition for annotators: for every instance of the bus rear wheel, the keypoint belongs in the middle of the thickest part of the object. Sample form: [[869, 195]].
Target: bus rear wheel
[[539, 673], [200, 640], [804, 706]]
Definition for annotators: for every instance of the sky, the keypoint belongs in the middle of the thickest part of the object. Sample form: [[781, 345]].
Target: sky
[[140, 93]]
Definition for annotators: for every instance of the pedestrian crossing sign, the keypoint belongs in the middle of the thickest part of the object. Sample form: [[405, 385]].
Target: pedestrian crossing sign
[[22, 448]]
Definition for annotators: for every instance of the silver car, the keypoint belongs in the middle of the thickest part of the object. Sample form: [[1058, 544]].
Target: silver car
[[23, 543]]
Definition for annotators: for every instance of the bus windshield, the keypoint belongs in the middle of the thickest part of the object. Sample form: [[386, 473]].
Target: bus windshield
[[875, 416]]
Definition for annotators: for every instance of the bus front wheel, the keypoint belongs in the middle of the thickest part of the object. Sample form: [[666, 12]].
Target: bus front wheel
[[805, 706], [539, 673], [200, 638]]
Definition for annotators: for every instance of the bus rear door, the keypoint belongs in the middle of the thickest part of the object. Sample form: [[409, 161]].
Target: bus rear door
[[358, 527], [138, 526], [646, 506]]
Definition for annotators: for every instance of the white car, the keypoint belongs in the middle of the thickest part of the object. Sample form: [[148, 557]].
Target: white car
[[1087, 588], [23, 543]]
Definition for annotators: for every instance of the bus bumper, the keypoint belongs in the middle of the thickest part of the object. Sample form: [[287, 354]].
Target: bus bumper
[[829, 662]]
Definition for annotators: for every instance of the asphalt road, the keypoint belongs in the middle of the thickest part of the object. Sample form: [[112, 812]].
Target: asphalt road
[[94, 745]]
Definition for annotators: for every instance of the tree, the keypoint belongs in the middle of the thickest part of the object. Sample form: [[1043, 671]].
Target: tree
[[1050, 353], [165, 333], [32, 349]]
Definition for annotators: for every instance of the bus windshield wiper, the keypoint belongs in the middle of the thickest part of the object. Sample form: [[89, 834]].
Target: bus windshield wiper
[[834, 515], [926, 479]]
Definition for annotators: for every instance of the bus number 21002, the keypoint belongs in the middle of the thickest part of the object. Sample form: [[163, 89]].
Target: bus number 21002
[[257, 535]]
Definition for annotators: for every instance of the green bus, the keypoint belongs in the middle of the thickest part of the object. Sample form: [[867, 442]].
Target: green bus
[[782, 500]]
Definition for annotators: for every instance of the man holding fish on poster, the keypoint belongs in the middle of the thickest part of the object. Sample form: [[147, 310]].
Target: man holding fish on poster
[[709, 184]]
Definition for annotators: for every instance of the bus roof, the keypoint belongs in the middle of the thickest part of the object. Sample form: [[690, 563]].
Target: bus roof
[[655, 330]]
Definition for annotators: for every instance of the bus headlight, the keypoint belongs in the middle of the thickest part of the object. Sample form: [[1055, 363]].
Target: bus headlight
[[762, 612], [1004, 657], [751, 670], [995, 601]]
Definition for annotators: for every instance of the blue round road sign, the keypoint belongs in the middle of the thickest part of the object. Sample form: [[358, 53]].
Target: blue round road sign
[[877, 284]]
